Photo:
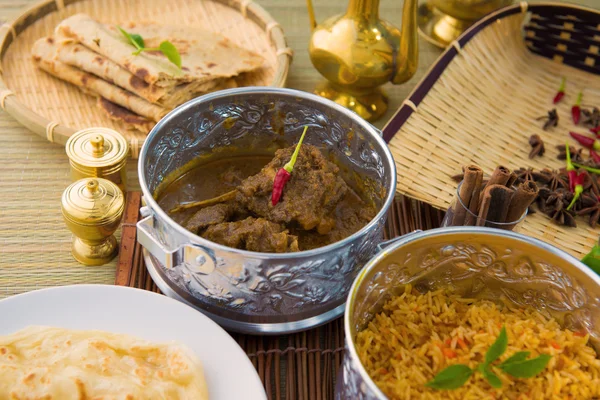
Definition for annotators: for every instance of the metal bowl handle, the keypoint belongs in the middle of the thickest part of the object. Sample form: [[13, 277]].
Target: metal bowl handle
[[195, 257]]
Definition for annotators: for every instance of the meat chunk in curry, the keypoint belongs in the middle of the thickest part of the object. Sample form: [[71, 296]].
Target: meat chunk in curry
[[317, 207], [309, 197], [254, 234]]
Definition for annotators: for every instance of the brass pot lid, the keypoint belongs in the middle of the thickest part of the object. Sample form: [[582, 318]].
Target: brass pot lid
[[92, 201], [97, 147]]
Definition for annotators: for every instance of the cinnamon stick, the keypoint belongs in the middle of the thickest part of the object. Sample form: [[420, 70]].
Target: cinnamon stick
[[524, 195], [500, 176], [471, 183], [511, 180], [494, 204], [471, 216]]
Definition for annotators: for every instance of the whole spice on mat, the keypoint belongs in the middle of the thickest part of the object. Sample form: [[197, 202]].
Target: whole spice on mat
[[537, 146], [591, 118], [284, 174], [551, 119], [576, 154], [518, 366], [561, 92], [576, 109]]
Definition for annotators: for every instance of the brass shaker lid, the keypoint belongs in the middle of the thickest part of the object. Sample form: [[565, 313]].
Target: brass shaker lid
[[92, 201], [97, 147]]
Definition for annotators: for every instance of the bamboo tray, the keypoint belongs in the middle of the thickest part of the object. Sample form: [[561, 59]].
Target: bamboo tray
[[479, 101], [55, 109]]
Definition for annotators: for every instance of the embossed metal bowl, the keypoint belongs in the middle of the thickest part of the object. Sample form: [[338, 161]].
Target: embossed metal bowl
[[477, 262], [248, 291]]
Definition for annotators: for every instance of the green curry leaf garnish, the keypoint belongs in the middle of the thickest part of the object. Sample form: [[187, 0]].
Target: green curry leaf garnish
[[165, 47], [517, 366]]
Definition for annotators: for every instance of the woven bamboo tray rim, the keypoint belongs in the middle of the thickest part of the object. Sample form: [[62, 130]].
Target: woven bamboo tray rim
[[58, 132], [478, 103]]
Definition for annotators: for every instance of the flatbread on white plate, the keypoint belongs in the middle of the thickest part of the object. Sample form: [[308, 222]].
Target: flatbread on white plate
[[66, 364]]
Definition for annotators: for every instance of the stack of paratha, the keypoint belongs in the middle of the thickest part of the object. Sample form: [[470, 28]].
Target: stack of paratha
[[139, 90], [65, 364]]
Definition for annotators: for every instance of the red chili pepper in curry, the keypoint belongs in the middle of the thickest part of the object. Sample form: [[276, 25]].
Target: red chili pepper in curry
[[285, 173]]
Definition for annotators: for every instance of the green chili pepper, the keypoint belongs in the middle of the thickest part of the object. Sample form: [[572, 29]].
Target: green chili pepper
[[592, 259]]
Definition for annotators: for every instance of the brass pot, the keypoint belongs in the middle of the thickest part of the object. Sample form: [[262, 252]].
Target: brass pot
[[476, 262], [443, 21]]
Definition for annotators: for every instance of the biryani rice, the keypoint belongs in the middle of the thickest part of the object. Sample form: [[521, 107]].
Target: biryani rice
[[418, 335]]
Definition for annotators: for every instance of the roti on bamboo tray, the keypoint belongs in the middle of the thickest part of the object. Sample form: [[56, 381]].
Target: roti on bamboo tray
[[55, 109], [480, 100]]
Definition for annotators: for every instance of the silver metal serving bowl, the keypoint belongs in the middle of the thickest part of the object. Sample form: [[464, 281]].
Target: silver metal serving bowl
[[476, 262], [247, 291]]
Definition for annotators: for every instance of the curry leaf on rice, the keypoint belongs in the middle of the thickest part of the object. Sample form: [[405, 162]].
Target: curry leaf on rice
[[526, 368], [497, 348], [451, 377]]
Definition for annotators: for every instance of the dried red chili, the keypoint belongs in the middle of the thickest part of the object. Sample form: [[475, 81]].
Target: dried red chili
[[285, 173], [576, 109], [561, 91], [577, 190], [571, 172], [585, 141], [595, 156]]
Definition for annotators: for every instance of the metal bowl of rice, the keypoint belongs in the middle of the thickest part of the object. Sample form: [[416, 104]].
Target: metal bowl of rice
[[435, 298]]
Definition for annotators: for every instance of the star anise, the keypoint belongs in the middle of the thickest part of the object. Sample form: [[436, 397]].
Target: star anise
[[524, 175], [537, 146], [576, 155], [551, 119], [591, 117], [554, 179], [595, 185], [563, 217], [558, 199], [593, 210]]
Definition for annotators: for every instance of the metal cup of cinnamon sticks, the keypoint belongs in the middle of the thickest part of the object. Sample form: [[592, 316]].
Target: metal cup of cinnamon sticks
[[498, 202]]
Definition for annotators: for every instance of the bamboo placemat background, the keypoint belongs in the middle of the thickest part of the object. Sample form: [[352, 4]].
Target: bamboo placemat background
[[301, 366], [35, 244]]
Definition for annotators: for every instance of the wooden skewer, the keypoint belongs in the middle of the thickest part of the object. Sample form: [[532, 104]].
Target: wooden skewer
[[205, 203]]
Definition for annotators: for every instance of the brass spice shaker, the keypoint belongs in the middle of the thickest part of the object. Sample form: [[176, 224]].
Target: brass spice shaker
[[92, 209], [98, 152]]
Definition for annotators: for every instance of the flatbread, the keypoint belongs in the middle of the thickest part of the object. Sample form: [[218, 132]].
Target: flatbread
[[74, 54], [44, 55], [57, 363], [123, 116], [204, 55]]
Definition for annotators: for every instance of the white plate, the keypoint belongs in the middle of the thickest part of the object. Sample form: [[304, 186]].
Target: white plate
[[229, 373]]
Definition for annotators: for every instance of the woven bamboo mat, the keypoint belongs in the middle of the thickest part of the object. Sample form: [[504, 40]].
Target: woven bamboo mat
[[301, 366], [483, 109]]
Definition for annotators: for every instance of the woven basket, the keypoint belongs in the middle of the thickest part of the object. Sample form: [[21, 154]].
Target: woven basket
[[479, 101], [55, 109]]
